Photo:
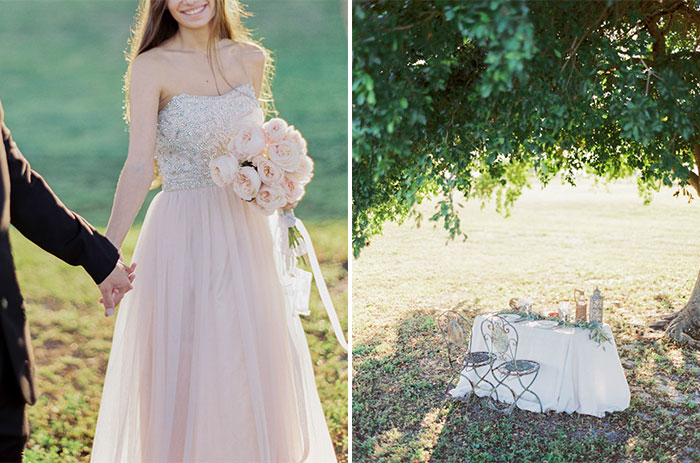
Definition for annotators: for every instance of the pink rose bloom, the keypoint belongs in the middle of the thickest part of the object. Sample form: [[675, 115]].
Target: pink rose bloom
[[305, 170], [246, 183], [269, 172], [269, 199], [223, 169], [297, 138], [247, 142], [275, 129], [293, 190], [285, 154], [256, 116]]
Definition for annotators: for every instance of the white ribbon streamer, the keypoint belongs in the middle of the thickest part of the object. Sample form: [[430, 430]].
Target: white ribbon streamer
[[297, 284], [321, 285]]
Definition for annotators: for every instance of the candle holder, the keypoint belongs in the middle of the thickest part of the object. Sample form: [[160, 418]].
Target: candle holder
[[596, 307], [580, 301]]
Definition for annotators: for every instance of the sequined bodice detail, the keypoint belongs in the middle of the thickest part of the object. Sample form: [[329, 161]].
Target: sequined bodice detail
[[192, 130]]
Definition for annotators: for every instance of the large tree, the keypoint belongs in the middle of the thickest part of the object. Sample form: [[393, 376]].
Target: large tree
[[475, 98]]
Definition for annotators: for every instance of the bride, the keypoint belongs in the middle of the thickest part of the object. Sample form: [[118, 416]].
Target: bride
[[207, 364]]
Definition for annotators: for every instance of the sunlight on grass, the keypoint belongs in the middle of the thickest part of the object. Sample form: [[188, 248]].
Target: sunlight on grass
[[72, 339], [644, 259], [61, 88]]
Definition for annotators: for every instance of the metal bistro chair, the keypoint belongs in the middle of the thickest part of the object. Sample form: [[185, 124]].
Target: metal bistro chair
[[456, 331], [501, 339]]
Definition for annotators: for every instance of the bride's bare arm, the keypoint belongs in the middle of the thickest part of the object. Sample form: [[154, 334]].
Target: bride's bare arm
[[137, 174]]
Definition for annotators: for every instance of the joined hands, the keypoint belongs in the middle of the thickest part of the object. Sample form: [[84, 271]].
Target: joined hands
[[116, 285]]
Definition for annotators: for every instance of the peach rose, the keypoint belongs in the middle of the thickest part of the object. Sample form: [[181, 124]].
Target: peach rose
[[285, 154], [223, 169], [275, 129], [246, 183], [269, 199], [269, 172], [247, 142], [297, 138], [255, 115], [305, 170], [293, 190]]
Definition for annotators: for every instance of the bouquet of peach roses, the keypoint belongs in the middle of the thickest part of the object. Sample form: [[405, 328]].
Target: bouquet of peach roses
[[267, 163]]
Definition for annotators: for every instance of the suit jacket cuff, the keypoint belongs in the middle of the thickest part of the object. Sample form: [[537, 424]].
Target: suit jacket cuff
[[101, 259]]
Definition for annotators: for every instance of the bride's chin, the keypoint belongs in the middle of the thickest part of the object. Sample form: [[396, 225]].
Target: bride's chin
[[200, 24]]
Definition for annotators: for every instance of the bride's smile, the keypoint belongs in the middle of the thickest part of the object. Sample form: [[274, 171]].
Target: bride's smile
[[194, 11], [192, 14]]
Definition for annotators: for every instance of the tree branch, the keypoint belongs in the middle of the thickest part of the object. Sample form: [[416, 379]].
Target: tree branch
[[577, 43], [693, 178], [659, 48], [428, 16]]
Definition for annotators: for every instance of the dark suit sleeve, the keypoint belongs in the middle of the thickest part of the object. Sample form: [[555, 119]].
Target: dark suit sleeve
[[40, 216]]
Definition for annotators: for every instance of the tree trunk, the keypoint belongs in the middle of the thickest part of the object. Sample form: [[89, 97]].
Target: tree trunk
[[686, 323]]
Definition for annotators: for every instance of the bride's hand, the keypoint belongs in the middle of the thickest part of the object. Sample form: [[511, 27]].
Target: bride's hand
[[130, 269], [117, 294]]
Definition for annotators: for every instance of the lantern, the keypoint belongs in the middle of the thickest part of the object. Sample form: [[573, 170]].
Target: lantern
[[596, 307], [580, 301]]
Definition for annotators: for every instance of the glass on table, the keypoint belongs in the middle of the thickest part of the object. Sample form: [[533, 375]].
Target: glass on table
[[565, 310]]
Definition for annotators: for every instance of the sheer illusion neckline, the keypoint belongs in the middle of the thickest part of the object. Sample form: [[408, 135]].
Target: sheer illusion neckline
[[189, 95]]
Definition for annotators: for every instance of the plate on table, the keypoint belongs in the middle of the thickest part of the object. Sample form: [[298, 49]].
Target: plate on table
[[510, 317], [546, 324]]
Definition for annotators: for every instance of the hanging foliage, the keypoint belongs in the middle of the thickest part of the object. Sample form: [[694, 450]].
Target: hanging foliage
[[479, 98]]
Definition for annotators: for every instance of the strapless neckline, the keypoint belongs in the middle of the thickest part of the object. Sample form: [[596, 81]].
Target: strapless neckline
[[193, 129], [189, 95]]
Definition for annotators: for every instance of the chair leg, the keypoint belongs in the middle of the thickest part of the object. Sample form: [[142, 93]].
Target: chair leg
[[491, 401], [527, 389], [481, 378], [463, 373], [533, 392], [451, 384]]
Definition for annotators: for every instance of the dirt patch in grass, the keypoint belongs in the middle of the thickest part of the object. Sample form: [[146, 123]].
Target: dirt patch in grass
[[401, 414], [555, 241]]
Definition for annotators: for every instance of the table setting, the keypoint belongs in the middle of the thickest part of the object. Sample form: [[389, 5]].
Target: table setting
[[543, 362]]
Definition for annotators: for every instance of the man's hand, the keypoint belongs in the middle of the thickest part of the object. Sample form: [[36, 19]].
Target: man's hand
[[116, 285]]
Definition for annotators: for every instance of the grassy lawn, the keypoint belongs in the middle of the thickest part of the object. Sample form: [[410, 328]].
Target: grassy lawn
[[60, 84], [61, 81], [644, 259], [72, 339]]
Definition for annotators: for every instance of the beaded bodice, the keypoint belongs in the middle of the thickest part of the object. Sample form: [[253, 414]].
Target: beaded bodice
[[192, 129]]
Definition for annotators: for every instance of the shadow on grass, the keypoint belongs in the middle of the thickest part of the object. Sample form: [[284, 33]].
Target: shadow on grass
[[400, 415]]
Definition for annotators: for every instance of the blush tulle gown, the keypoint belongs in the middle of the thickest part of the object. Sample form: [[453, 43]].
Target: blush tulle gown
[[207, 362]]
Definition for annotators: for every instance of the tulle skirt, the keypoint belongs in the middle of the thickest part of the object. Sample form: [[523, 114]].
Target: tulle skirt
[[207, 362]]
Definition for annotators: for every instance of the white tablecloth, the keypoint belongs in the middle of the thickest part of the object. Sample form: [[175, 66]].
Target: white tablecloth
[[576, 374]]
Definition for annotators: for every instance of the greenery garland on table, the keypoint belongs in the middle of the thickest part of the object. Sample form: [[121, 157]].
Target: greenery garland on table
[[595, 330]]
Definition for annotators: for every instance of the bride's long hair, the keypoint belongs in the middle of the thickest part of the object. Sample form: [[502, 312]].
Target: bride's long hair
[[153, 25]]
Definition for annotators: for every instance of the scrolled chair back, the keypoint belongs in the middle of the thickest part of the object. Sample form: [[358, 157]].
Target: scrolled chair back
[[455, 331], [500, 337]]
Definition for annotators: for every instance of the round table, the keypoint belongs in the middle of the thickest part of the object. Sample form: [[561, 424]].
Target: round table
[[576, 373]]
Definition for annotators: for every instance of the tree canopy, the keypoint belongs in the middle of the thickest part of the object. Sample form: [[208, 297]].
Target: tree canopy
[[478, 97]]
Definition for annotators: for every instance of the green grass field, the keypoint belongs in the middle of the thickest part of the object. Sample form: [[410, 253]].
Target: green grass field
[[71, 339], [61, 69], [61, 65], [644, 259]]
